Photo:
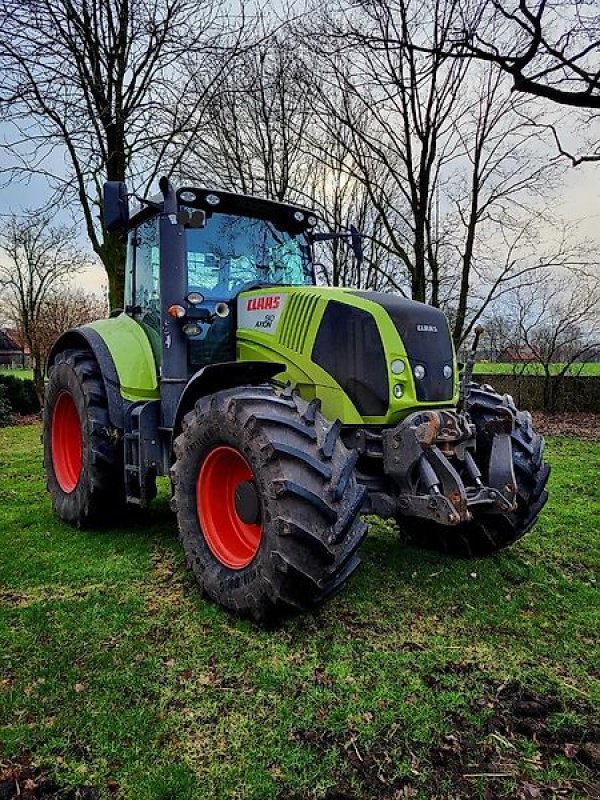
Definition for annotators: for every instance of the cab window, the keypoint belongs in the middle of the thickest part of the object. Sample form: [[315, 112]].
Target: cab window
[[142, 274], [233, 251]]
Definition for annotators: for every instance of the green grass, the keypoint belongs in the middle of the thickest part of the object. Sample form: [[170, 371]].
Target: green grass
[[24, 374], [113, 668], [490, 368]]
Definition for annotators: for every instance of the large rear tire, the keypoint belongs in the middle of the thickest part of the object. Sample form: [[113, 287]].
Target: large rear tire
[[83, 452], [267, 502], [487, 533]]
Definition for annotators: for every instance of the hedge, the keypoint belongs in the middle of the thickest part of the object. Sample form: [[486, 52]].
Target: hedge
[[20, 394]]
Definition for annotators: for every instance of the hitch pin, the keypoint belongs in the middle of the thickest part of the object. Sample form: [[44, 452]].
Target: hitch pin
[[473, 470], [428, 476]]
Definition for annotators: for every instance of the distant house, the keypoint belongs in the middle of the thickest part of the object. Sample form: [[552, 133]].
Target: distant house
[[13, 352], [514, 354]]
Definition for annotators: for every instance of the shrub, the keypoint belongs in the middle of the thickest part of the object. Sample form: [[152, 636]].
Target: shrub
[[20, 394], [5, 409]]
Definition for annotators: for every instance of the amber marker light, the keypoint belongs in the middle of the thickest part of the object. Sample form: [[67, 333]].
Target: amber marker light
[[176, 311]]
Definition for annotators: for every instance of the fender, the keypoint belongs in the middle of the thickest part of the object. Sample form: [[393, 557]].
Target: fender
[[87, 338], [217, 377], [125, 357]]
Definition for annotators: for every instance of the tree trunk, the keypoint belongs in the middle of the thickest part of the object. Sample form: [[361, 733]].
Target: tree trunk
[[419, 276], [112, 252], [38, 377], [548, 393]]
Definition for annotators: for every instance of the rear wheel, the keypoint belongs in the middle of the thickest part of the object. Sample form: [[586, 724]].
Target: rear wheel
[[83, 453], [267, 502], [487, 533]]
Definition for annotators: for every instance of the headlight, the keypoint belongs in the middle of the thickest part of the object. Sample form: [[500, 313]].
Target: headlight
[[398, 391], [447, 371], [419, 372], [194, 298], [191, 329], [398, 366], [213, 199], [298, 216]]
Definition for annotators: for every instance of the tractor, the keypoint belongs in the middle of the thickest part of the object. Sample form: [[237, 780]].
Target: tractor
[[282, 411]]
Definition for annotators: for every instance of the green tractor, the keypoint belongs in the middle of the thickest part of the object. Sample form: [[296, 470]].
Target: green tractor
[[282, 411]]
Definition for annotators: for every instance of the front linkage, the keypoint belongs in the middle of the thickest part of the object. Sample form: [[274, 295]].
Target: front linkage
[[429, 456]]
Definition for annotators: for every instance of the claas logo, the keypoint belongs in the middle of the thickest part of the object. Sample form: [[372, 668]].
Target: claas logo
[[268, 303]]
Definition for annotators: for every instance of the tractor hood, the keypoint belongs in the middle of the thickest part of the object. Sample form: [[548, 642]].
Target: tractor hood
[[426, 338], [386, 354]]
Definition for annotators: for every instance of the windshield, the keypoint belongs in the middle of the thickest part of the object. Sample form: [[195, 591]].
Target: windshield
[[233, 251]]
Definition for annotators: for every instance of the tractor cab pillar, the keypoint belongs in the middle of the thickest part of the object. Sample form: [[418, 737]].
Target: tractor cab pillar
[[173, 289]]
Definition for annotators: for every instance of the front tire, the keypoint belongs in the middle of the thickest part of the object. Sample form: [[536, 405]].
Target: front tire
[[83, 452], [487, 533], [267, 502]]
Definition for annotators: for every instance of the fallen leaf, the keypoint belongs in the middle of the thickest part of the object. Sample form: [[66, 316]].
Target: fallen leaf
[[80, 687]]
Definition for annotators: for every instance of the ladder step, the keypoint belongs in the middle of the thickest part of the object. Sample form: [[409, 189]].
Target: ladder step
[[135, 501], [131, 468]]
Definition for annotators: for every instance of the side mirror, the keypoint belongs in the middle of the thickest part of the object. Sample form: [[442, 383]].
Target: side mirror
[[356, 244], [115, 207]]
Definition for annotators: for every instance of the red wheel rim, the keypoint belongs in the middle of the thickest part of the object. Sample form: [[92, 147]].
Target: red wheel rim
[[231, 540], [67, 446]]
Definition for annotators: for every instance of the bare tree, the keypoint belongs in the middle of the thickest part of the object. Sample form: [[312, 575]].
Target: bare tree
[[558, 324], [499, 335], [342, 199], [549, 50], [64, 308], [395, 109], [37, 260], [456, 176], [102, 85], [254, 127]]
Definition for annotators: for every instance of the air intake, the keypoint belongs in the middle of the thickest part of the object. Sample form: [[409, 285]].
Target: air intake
[[298, 316]]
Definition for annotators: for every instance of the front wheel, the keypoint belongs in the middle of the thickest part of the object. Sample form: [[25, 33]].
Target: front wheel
[[487, 533], [267, 501]]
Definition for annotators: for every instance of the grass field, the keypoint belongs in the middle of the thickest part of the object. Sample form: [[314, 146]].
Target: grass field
[[490, 368], [24, 374], [428, 677]]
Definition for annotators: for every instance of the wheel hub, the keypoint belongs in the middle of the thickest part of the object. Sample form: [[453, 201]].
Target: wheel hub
[[247, 504], [66, 442], [228, 507]]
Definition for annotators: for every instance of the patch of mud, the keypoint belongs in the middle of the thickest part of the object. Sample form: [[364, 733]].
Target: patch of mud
[[576, 424], [467, 763]]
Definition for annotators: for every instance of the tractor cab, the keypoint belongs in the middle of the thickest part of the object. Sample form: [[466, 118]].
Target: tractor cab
[[232, 243]]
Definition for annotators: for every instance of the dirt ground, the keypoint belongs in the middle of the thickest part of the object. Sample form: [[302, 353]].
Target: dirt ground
[[574, 423]]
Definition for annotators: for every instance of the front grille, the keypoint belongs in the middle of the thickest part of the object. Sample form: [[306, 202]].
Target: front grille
[[426, 337], [348, 346]]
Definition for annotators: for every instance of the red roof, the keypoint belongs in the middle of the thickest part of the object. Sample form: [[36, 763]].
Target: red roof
[[15, 336]]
